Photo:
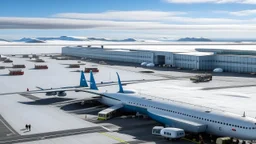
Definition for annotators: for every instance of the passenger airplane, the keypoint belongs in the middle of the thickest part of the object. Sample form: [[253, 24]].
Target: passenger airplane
[[188, 117], [56, 91]]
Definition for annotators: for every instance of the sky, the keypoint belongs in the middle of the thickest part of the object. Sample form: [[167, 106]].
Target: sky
[[141, 19]]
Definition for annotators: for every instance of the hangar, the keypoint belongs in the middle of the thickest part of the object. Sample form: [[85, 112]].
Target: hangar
[[230, 60]]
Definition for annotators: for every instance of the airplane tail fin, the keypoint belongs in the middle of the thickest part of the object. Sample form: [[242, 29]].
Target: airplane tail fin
[[83, 82], [121, 90], [92, 82], [39, 88]]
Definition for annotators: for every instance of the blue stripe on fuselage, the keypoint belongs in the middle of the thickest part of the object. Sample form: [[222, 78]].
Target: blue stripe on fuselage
[[144, 111], [132, 108], [160, 119]]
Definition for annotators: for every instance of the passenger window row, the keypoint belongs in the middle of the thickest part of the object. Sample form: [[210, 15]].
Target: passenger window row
[[195, 117], [180, 134], [167, 133]]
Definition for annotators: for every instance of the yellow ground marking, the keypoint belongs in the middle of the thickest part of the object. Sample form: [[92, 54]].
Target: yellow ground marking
[[114, 137]]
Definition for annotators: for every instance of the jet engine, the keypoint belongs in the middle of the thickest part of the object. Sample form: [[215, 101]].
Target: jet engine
[[51, 93], [62, 93]]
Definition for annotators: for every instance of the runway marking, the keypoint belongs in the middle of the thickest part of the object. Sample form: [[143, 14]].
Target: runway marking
[[7, 126], [114, 137], [35, 137]]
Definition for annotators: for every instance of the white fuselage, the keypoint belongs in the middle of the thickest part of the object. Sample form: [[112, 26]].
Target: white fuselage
[[218, 122]]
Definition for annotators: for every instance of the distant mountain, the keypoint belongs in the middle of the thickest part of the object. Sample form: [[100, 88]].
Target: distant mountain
[[30, 40], [111, 40], [192, 39], [98, 39], [4, 40], [129, 40], [65, 38], [70, 38]]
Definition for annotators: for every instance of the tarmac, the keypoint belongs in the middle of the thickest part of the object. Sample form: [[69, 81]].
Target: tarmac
[[58, 120]]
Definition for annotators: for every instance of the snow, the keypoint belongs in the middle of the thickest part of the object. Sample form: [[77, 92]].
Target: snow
[[54, 46], [29, 49], [18, 110], [42, 118], [235, 100]]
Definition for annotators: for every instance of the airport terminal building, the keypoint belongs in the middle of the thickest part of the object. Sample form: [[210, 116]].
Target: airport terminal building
[[230, 60]]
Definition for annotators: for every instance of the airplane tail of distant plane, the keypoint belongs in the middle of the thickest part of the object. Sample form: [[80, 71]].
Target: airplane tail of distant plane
[[121, 90], [83, 82], [39, 88], [92, 82]]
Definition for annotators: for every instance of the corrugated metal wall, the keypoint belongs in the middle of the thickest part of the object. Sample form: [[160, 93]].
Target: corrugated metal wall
[[229, 63]]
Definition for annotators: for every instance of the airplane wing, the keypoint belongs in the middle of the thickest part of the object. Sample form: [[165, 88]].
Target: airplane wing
[[62, 103], [83, 86], [127, 82], [78, 88], [41, 91], [177, 122]]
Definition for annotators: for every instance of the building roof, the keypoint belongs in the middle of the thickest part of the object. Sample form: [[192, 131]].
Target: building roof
[[180, 48], [197, 53]]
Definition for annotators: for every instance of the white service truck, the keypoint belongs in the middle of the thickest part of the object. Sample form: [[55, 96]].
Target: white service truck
[[169, 132]]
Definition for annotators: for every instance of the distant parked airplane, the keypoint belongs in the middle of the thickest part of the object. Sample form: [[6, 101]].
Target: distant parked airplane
[[61, 91]]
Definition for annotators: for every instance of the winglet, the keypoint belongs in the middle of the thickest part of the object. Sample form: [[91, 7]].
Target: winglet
[[83, 82], [92, 82], [121, 90]]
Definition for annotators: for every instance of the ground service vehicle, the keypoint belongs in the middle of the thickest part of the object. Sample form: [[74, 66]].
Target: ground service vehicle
[[201, 78]]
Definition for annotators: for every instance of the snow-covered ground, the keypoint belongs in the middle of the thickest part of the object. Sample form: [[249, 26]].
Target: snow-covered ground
[[17, 110], [45, 118], [235, 100], [181, 47], [58, 75], [7, 49]]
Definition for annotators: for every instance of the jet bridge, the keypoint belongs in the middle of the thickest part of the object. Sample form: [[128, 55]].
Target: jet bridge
[[109, 112]]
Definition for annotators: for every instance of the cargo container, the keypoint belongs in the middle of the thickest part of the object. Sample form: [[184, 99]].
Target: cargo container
[[87, 70], [16, 72], [41, 67], [74, 66], [18, 66]]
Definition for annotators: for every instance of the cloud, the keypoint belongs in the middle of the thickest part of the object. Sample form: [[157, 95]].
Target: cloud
[[60, 23], [145, 15], [118, 29], [212, 1], [157, 16], [243, 13], [238, 13], [144, 23]]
